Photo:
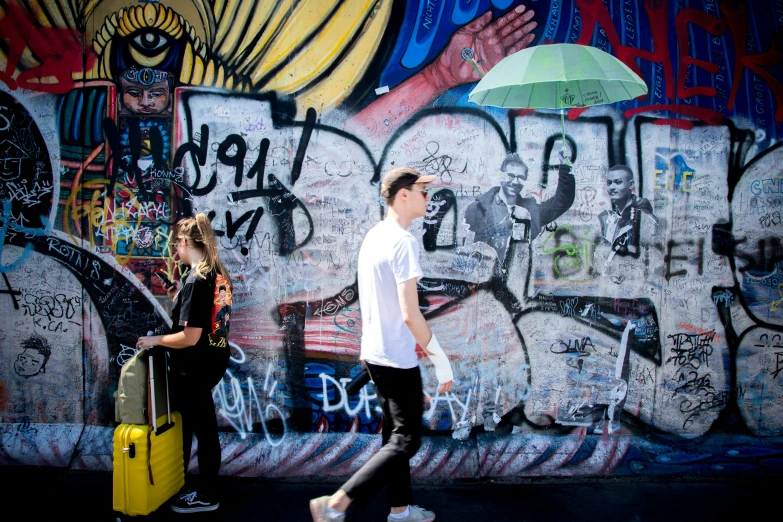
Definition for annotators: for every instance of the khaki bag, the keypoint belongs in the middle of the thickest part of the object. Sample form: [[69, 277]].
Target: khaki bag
[[131, 397]]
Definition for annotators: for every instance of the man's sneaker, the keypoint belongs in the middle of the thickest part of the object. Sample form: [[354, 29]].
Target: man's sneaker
[[416, 514], [194, 502], [318, 510]]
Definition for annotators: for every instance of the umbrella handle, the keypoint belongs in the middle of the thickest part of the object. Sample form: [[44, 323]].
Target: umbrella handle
[[563, 141], [476, 67], [469, 56]]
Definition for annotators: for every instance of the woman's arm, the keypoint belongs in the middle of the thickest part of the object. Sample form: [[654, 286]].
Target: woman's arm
[[184, 339]]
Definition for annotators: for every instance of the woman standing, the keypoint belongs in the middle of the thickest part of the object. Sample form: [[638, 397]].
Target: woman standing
[[198, 345]]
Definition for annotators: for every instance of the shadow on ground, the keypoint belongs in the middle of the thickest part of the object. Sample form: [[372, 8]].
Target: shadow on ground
[[87, 495]]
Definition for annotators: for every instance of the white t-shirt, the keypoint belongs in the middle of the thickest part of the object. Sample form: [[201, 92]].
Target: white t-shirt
[[389, 256]]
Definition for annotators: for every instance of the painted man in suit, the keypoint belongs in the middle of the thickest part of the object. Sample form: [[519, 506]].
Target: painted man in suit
[[620, 226], [502, 214]]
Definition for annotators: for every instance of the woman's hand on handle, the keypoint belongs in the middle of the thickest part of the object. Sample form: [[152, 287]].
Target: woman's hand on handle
[[147, 341]]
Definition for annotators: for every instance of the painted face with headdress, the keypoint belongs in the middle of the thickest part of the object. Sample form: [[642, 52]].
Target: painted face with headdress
[[145, 91], [142, 49]]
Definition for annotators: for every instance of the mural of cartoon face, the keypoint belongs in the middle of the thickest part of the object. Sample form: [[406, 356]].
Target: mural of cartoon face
[[32, 360]]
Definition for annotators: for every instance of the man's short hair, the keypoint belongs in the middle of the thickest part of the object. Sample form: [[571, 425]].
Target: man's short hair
[[40, 345], [512, 158], [221, 288], [622, 168]]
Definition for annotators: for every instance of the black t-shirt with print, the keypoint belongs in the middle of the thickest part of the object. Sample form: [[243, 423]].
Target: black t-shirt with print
[[203, 302]]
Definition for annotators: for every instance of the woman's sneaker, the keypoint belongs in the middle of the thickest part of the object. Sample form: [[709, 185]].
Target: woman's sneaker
[[194, 502]]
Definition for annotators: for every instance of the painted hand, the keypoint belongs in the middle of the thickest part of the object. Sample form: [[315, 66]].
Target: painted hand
[[563, 159], [490, 43]]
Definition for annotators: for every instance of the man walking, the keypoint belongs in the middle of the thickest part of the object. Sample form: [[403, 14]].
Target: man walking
[[392, 325]]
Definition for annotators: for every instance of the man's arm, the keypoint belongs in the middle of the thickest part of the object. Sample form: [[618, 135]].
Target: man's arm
[[409, 306], [558, 204]]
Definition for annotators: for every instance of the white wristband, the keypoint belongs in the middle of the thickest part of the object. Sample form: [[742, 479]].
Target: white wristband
[[441, 362]]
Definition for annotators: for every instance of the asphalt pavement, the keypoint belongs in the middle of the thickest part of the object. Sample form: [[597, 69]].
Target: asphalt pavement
[[87, 496]]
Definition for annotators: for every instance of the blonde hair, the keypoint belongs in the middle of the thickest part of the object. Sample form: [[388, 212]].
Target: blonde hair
[[198, 231]]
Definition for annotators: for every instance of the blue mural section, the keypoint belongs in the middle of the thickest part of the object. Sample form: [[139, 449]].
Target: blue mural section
[[714, 56]]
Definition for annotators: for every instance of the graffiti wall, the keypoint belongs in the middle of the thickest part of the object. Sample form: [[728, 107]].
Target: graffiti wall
[[623, 316]]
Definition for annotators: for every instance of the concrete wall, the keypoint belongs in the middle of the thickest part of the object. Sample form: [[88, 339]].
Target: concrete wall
[[659, 351]]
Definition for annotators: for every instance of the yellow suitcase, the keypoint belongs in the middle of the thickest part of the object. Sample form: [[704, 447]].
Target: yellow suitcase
[[148, 463]]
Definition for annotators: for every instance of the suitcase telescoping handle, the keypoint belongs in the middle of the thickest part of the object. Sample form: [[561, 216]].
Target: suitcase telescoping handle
[[159, 384]]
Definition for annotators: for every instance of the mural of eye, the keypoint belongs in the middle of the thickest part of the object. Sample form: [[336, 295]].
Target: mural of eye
[[149, 48], [150, 41]]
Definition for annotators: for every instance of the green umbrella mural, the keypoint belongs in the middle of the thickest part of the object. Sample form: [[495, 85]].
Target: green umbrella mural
[[557, 76]]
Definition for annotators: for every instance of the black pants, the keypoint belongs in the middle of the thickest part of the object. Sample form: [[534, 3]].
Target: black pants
[[192, 397], [402, 401]]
